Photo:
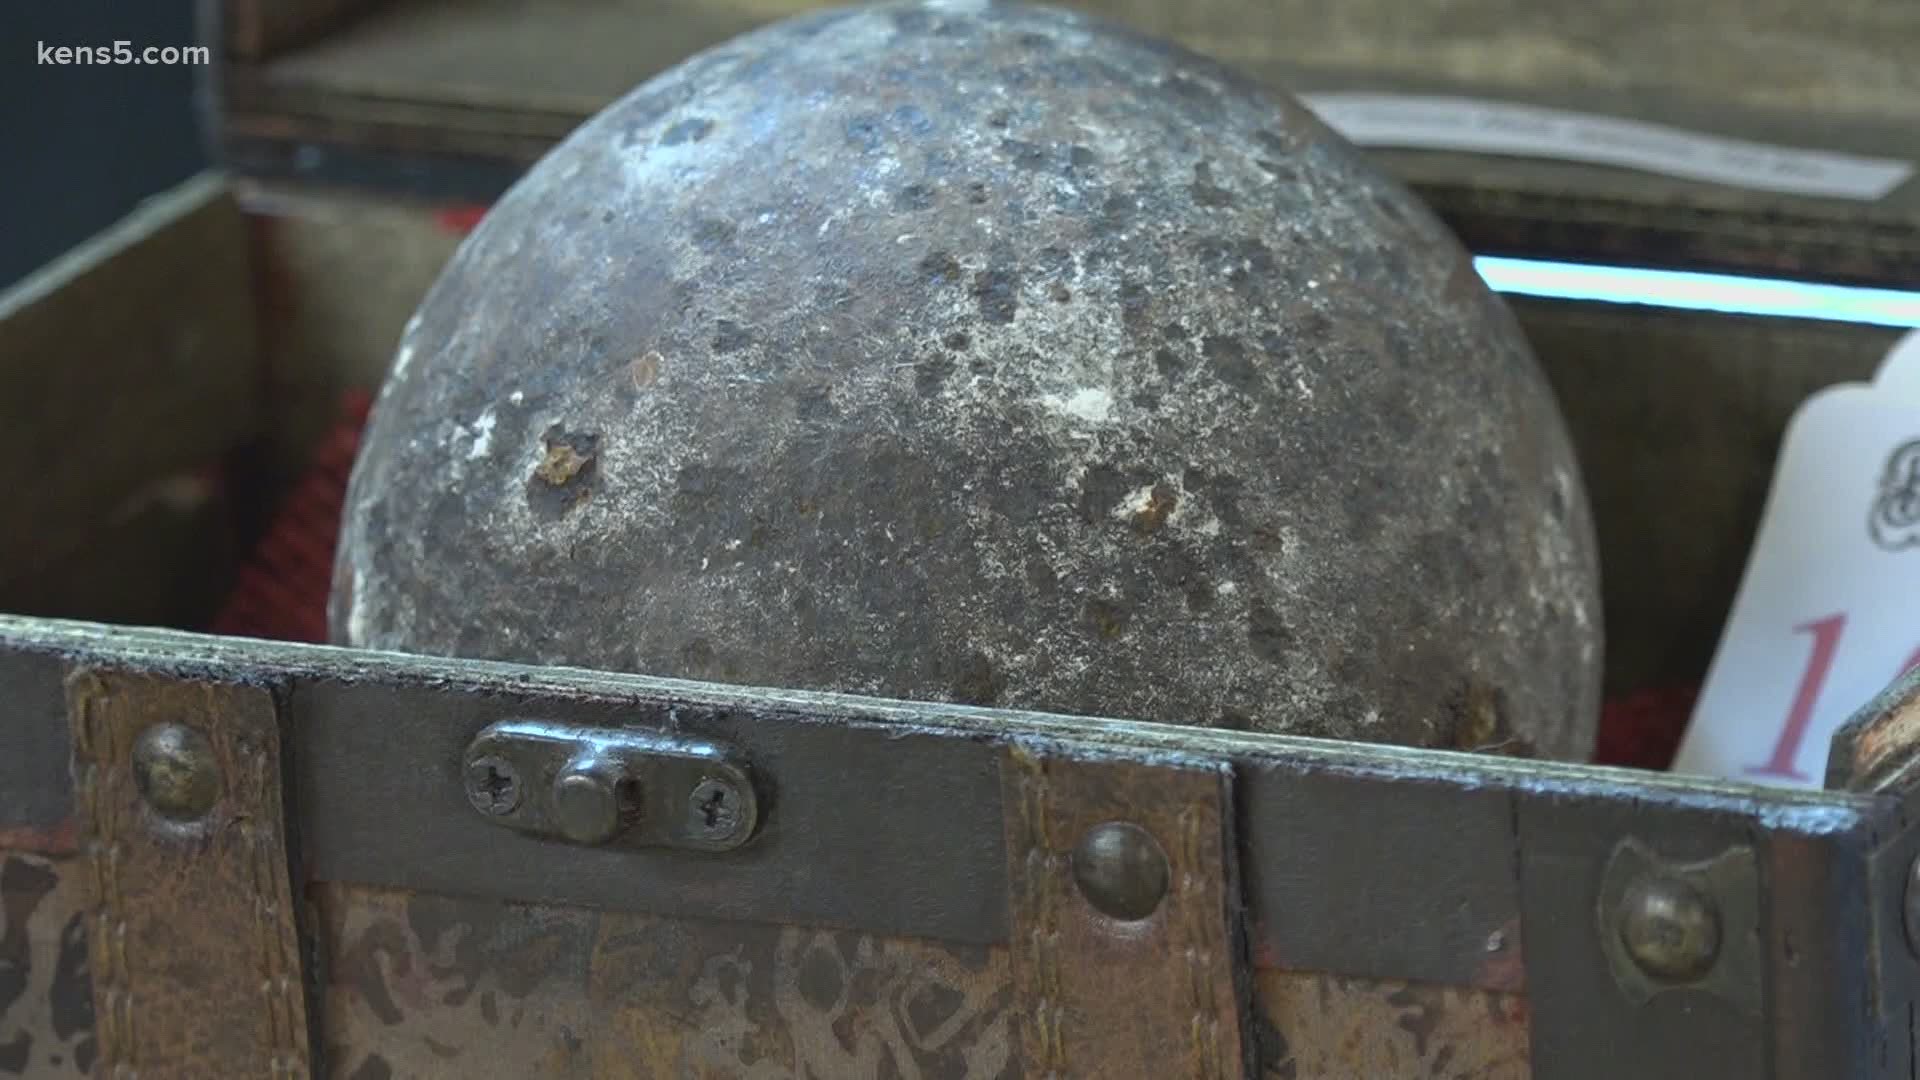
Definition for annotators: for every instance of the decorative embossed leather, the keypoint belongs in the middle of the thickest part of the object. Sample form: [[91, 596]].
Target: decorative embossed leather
[[191, 928], [1314, 1026], [46, 1005], [423, 985], [1099, 997]]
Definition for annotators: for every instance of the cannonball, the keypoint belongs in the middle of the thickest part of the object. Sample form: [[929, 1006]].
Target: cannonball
[[987, 354]]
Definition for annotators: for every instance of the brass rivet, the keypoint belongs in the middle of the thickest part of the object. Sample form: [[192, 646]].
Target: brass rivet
[[1670, 928], [1121, 870], [174, 771]]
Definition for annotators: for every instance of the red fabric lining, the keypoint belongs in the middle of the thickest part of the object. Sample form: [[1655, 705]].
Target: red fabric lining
[[281, 590]]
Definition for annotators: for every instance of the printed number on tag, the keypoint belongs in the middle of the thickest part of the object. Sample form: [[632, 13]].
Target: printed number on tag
[[1825, 617]]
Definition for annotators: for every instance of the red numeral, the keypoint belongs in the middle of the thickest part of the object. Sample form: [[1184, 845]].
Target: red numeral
[[1826, 641]]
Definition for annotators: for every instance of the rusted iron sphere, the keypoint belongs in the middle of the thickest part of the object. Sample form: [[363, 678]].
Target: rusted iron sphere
[[990, 354]]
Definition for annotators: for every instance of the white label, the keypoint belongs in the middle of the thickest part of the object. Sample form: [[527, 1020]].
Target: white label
[[1824, 620], [1491, 127], [1899, 373]]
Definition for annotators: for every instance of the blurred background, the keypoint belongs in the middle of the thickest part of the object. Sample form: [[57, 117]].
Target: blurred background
[[84, 144]]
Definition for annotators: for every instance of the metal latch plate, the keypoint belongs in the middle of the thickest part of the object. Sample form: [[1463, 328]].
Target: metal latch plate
[[611, 787]]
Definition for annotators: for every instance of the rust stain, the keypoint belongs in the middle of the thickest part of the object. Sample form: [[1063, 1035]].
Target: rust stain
[[561, 464], [1476, 719], [646, 369], [564, 477], [1160, 503], [1482, 721]]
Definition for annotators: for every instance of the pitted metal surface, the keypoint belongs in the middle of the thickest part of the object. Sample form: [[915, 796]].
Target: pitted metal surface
[[991, 355]]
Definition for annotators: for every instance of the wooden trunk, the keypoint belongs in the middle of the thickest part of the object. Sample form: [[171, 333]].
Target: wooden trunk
[[367, 137]]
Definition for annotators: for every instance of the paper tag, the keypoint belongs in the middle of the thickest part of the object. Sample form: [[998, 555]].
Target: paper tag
[[1424, 122], [1899, 373], [1825, 618]]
